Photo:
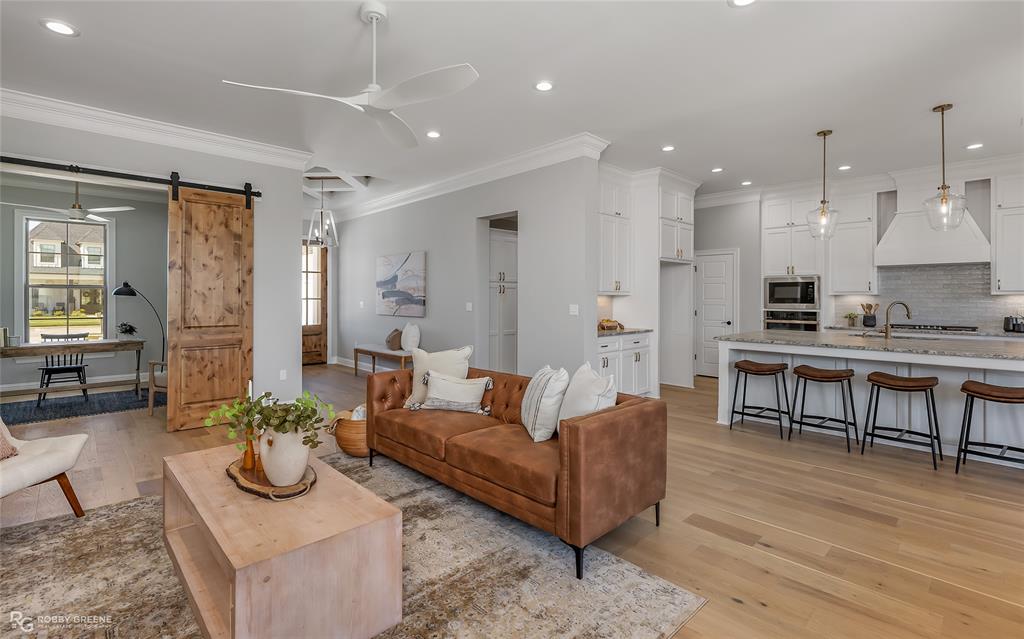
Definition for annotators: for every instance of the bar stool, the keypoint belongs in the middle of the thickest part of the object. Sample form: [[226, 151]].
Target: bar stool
[[748, 368], [989, 393], [899, 384], [842, 377]]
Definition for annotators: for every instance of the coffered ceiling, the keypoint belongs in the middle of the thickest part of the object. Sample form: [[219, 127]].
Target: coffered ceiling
[[743, 89]]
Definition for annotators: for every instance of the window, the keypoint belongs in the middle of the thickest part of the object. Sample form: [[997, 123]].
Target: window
[[66, 284], [311, 285]]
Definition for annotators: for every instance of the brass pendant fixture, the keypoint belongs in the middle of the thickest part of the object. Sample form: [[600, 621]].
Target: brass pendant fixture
[[322, 228], [946, 210], [821, 222]]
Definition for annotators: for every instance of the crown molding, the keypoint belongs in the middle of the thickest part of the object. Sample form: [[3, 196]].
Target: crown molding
[[584, 145], [655, 176], [44, 110], [724, 198], [965, 169]]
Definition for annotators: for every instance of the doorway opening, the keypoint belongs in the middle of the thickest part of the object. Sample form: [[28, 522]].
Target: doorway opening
[[716, 305], [503, 293], [314, 304]]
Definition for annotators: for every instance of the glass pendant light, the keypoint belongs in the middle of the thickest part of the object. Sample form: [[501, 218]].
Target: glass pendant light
[[821, 222], [946, 210], [322, 228]]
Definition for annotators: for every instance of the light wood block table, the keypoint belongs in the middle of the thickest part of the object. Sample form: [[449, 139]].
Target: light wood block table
[[328, 564]]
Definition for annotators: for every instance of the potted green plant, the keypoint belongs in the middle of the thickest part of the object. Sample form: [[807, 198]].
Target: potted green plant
[[127, 329], [851, 318], [284, 432]]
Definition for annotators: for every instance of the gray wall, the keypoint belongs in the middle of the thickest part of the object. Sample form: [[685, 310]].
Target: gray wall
[[736, 226], [276, 310], [555, 244], [140, 256]]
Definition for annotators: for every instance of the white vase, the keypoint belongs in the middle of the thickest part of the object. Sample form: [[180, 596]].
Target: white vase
[[284, 457]]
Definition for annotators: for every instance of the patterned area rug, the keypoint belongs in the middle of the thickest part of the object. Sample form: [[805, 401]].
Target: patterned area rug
[[469, 571], [76, 406]]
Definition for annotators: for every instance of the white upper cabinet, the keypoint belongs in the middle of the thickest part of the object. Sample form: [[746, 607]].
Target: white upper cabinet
[[854, 208], [675, 206], [504, 256], [775, 251], [676, 241], [615, 199], [791, 251], [808, 257], [616, 258], [1008, 258], [684, 208], [851, 259], [777, 213], [1009, 191]]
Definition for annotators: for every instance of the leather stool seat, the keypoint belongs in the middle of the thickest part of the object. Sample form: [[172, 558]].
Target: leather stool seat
[[760, 368], [899, 383], [823, 374], [994, 393]]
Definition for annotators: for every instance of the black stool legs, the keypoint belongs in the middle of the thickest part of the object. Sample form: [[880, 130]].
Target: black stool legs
[[761, 410], [822, 422], [933, 437]]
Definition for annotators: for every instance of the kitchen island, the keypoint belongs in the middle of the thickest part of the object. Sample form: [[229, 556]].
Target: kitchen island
[[993, 361]]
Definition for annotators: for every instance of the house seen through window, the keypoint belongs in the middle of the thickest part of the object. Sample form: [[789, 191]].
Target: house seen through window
[[66, 285]]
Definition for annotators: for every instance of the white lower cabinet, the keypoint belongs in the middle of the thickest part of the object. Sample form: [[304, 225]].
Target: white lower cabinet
[[628, 358]]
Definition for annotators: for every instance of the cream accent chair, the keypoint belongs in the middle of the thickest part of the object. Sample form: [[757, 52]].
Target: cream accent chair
[[42, 460], [157, 381]]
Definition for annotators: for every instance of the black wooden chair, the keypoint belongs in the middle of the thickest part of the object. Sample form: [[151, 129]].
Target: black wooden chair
[[63, 367]]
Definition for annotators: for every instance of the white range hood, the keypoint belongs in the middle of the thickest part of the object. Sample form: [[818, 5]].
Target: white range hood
[[910, 241]]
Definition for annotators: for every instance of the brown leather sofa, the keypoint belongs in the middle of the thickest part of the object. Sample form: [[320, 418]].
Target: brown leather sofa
[[601, 470]]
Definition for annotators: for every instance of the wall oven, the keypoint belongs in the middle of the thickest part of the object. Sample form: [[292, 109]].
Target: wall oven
[[791, 320], [791, 293]]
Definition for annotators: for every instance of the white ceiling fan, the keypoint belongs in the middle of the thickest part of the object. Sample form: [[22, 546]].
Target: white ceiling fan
[[76, 212], [380, 104]]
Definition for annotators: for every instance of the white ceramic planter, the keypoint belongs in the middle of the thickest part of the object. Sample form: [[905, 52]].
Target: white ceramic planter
[[284, 457]]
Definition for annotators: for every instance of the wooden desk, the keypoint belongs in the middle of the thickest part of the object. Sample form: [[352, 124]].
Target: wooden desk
[[327, 564], [72, 348]]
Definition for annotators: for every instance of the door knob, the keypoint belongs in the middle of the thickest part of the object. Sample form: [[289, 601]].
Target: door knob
[[727, 322]]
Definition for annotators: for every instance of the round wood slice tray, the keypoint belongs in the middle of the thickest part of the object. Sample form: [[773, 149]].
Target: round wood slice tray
[[259, 485]]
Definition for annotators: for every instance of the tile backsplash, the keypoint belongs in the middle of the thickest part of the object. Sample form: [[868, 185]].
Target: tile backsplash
[[939, 294]]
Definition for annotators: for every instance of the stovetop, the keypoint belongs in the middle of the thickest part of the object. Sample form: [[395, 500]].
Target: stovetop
[[951, 328]]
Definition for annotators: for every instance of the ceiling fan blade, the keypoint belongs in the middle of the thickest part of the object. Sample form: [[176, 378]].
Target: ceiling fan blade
[[97, 218], [33, 206], [394, 128], [346, 101], [427, 86], [111, 209]]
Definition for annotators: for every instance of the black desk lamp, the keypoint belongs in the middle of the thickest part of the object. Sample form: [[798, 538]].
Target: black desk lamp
[[126, 290]]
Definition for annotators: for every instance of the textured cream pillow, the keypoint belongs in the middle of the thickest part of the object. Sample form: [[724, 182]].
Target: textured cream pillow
[[454, 362], [446, 392], [588, 393], [410, 337], [7, 449], [542, 401]]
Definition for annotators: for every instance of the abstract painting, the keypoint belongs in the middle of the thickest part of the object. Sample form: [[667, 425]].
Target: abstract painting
[[402, 284]]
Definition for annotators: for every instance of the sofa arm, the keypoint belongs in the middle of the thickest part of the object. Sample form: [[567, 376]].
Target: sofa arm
[[613, 466], [385, 391]]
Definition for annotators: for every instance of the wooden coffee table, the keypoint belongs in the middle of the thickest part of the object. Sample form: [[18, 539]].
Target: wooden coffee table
[[327, 564]]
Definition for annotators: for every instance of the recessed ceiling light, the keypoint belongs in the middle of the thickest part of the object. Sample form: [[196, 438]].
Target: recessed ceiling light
[[717, 169], [544, 85], [845, 167], [667, 148], [976, 145], [739, 3], [59, 27], [746, 183], [433, 134]]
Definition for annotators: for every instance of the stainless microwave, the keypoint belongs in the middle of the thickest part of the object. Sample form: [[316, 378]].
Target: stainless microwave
[[791, 293]]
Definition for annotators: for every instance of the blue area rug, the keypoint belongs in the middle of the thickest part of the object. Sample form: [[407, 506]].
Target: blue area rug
[[76, 406]]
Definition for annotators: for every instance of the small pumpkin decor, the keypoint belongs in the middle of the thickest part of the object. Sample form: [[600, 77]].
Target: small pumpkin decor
[[283, 432]]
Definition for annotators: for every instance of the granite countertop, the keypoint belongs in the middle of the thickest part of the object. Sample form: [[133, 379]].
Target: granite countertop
[[1011, 349], [981, 332], [623, 331]]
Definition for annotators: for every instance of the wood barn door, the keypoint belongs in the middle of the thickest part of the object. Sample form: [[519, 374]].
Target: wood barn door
[[209, 304], [314, 304]]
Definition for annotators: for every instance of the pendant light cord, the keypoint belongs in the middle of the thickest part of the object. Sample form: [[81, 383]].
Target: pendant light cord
[[373, 24], [942, 128], [824, 153]]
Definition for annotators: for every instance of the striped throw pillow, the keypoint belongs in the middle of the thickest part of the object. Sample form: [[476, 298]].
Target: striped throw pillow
[[541, 402]]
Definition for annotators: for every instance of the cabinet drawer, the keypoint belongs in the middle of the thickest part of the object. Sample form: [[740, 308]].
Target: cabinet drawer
[[636, 341], [609, 344]]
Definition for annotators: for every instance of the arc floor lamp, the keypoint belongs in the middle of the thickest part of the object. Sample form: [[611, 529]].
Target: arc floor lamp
[[127, 290]]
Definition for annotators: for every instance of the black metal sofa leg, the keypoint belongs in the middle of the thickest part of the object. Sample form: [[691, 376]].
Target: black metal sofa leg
[[579, 560]]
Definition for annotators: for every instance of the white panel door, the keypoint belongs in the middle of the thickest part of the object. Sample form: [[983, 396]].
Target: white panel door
[[851, 259], [807, 252], [509, 330], [606, 276], [776, 213], [1009, 255], [776, 247], [716, 304], [669, 240], [623, 255], [504, 255], [684, 241]]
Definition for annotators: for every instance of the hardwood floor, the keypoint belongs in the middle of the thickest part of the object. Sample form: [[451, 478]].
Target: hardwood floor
[[785, 539]]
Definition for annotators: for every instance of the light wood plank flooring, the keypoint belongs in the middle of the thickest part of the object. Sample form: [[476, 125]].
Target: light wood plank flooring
[[785, 539]]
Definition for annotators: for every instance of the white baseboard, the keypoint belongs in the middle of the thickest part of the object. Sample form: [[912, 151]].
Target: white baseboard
[[129, 380]]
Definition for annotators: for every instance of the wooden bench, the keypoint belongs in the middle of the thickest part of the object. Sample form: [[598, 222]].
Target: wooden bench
[[373, 351]]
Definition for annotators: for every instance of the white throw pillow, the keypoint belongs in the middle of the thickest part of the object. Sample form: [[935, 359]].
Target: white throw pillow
[[588, 393], [447, 392], [454, 362], [410, 337], [542, 401]]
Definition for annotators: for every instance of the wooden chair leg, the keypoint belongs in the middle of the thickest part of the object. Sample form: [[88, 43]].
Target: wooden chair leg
[[152, 395], [355, 363], [69, 492]]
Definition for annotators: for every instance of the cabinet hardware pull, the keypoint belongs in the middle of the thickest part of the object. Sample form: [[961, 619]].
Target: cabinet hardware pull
[[869, 288], [999, 285]]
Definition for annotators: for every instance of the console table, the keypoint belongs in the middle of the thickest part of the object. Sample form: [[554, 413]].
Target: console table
[[327, 564], [74, 348]]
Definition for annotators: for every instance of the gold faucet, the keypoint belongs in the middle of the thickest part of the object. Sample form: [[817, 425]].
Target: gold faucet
[[888, 319]]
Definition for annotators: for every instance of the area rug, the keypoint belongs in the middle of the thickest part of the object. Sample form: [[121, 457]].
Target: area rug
[[468, 571], [76, 406]]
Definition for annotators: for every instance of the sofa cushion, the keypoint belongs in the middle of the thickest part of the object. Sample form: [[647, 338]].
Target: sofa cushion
[[505, 396], [427, 431], [508, 456]]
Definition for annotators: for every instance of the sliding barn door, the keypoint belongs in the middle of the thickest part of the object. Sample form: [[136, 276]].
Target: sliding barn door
[[209, 304]]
